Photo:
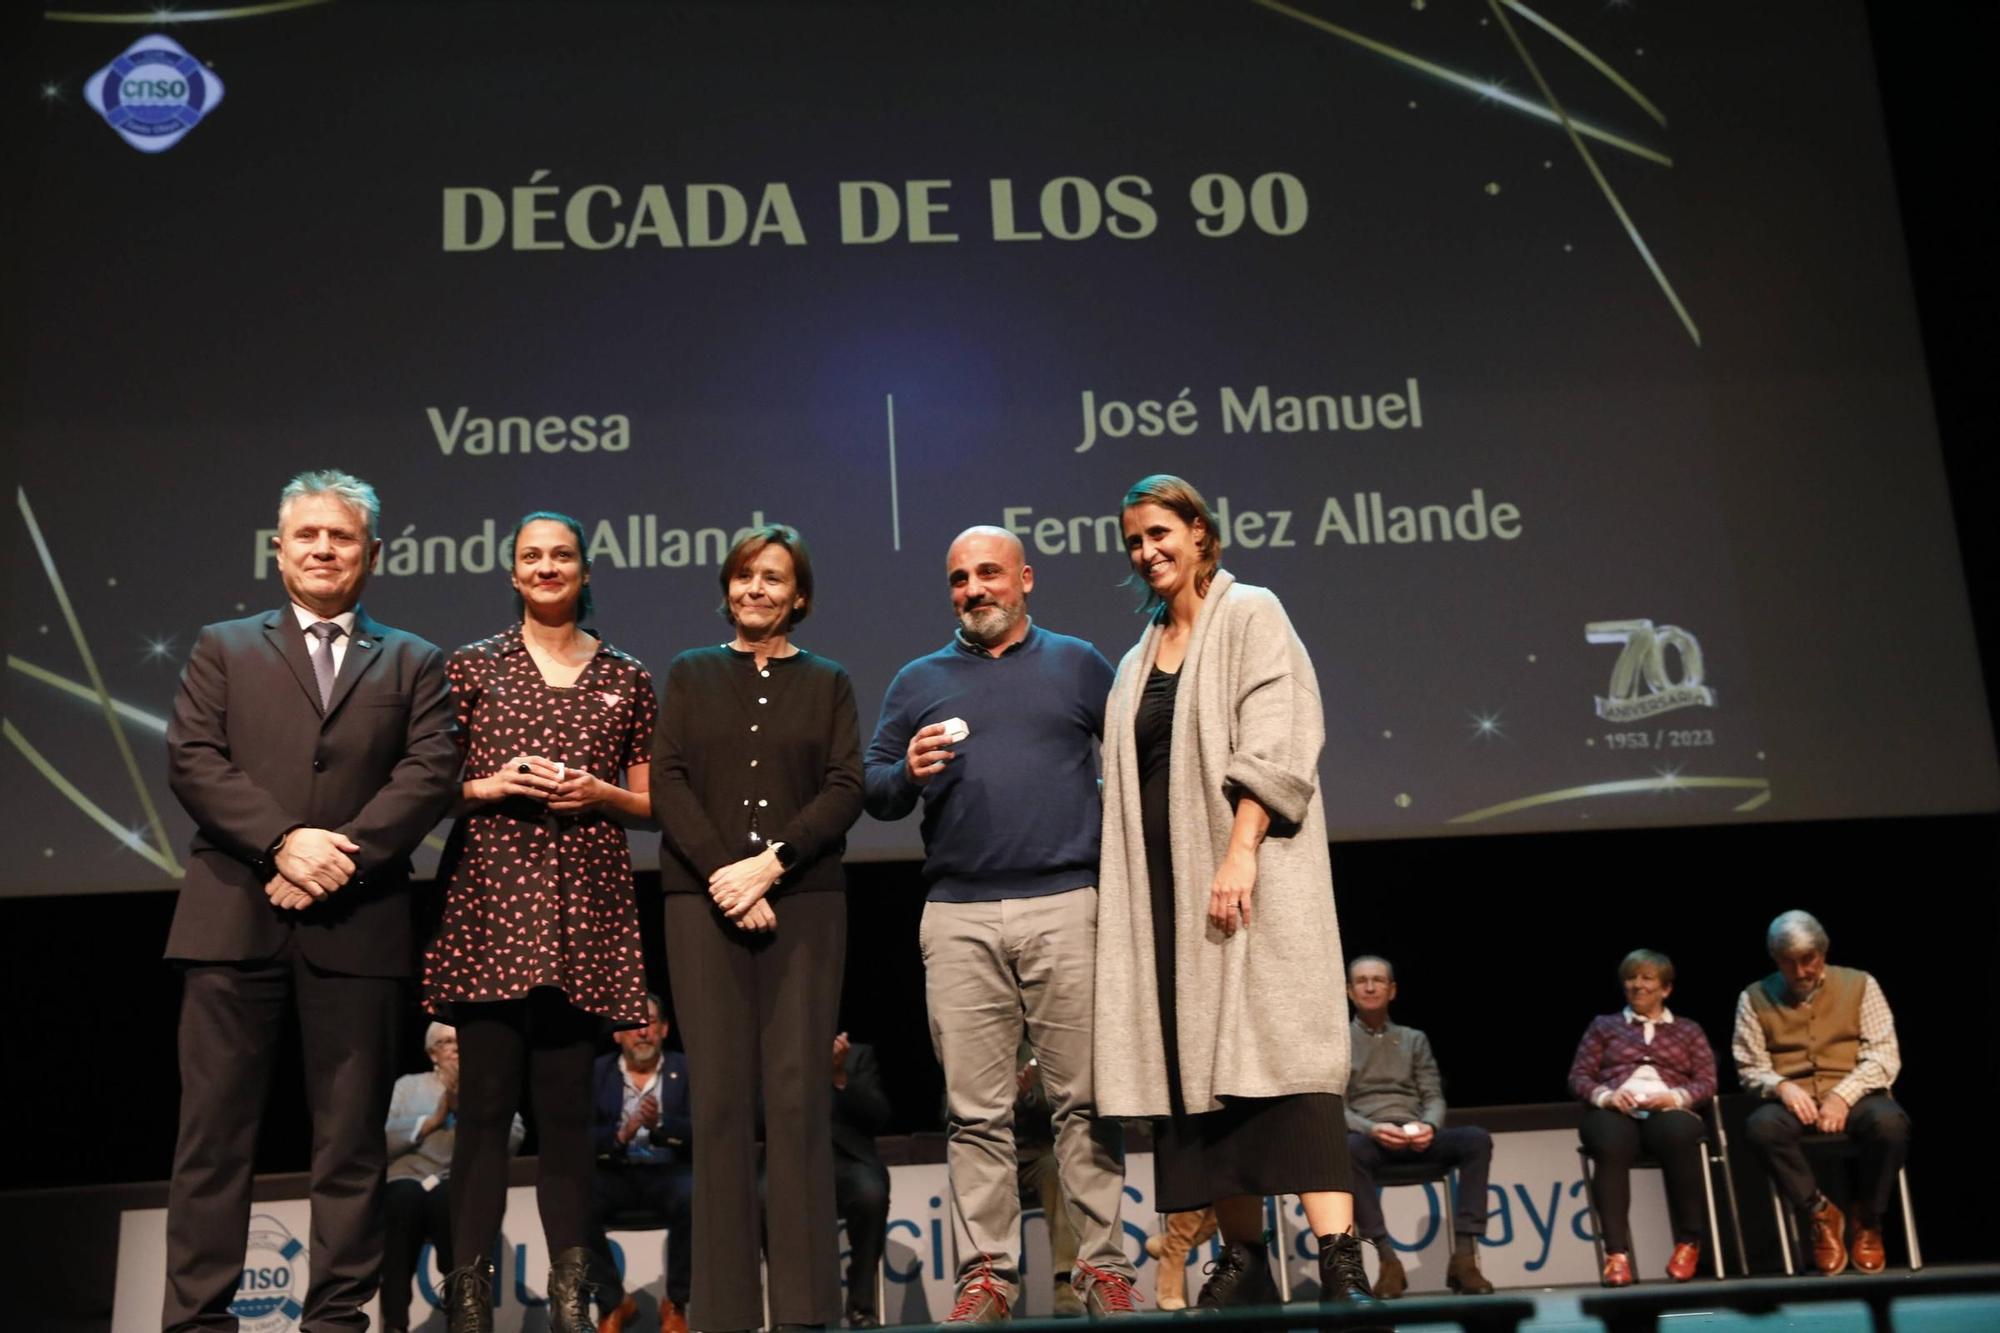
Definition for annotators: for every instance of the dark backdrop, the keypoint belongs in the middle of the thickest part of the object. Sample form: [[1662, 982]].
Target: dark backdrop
[[1505, 946]]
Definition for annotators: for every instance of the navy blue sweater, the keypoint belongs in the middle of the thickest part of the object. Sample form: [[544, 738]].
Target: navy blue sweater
[[1016, 813]]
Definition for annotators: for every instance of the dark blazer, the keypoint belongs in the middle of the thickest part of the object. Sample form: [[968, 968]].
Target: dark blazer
[[861, 1109], [251, 756], [675, 1130]]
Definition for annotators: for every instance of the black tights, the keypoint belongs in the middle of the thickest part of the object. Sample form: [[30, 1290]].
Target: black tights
[[554, 1044]]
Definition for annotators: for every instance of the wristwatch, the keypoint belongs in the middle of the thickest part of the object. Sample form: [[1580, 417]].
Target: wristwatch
[[788, 855]]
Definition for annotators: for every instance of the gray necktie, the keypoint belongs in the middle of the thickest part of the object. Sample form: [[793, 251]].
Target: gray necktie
[[326, 631]]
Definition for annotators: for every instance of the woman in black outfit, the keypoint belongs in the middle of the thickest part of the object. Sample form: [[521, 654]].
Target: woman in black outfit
[[756, 780]]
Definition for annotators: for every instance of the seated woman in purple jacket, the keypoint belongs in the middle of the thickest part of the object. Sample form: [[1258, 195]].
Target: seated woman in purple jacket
[[1644, 1073]]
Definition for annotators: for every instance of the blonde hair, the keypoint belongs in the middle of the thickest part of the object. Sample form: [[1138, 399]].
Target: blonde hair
[[1653, 958]]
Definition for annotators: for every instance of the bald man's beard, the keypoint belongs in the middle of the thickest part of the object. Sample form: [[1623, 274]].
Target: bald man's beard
[[990, 623]]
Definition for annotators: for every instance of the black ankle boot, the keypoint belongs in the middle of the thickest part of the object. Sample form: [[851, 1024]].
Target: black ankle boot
[[468, 1297], [1241, 1275], [1342, 1279], [570, 1290]]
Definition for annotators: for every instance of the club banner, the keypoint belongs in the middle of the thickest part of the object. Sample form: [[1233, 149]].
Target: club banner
[[1538, 1233]]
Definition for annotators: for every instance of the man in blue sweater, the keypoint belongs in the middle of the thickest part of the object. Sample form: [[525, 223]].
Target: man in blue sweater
[[996, 733]]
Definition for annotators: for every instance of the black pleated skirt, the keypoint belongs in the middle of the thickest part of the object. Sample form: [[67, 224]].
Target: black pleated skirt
[[1253, 1145]]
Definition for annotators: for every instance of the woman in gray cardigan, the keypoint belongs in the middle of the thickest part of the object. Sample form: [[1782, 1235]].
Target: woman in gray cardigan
[[1217, 946]]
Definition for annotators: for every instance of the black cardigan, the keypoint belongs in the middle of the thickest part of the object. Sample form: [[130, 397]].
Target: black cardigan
[[735, 750]]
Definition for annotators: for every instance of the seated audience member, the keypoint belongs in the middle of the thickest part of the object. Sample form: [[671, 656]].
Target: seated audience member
[[860, 1181], [643, 1127], [1820, 1042], [1040, 1178], [422, 1123], [1395, 1113], [1644, 1073]]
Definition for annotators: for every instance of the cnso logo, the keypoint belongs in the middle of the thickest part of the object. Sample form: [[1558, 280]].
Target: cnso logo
[[154, 93], [271, 1292]]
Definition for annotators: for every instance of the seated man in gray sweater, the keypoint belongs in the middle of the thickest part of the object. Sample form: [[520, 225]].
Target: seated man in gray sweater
[[1395, 1113]]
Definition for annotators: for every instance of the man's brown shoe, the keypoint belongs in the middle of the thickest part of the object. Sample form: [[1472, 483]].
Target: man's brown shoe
[[1617, 1270], [1686, 1260], [1462, 1275], [1866, 1250], [1170, 1286], [1829, 1238], [1182, 1233], [1390, 1279]]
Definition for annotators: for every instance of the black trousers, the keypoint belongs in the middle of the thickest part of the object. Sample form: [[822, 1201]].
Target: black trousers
[[861, 1195], [554, 1044], [411, 1215], [666, 1191], [1614, 1141], [232, 1021], [758, 1012], [1876, 1123]]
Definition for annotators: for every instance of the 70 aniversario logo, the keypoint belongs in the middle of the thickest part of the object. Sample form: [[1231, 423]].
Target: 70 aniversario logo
[[1641, 685]]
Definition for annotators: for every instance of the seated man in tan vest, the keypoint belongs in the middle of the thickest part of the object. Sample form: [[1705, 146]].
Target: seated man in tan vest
[[1821, 1043]]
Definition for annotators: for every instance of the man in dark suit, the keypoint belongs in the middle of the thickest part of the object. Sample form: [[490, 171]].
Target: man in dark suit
[[643, 1128], [860, 1181], [314, 749]]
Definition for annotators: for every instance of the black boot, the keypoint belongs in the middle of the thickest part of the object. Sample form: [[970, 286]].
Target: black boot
[[1241, 1275], [1342, 1279], [468, 1297], [570, 1290]]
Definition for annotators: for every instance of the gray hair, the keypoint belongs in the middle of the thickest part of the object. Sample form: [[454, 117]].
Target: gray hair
[[435, 1033], [345, 487], [1359, 959], [1793, 931]]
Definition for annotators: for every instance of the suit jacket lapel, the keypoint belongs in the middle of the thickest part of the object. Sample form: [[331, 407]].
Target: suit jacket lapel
[[364, 649], [282, 629]]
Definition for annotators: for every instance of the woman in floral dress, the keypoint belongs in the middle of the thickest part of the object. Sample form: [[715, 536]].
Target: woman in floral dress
[[538, 951]]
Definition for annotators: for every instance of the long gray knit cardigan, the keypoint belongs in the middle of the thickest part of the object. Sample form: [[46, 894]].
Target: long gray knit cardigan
[[1263, 1013]]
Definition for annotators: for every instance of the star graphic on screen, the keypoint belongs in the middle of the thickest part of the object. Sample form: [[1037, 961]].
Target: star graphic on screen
[[1670, 778], [160, 648], [1486, 726]]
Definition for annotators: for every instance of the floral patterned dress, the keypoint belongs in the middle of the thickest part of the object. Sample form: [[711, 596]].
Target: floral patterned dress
[[533, 898]]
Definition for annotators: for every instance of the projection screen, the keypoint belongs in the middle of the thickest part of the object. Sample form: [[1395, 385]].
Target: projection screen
[[1557, 367]]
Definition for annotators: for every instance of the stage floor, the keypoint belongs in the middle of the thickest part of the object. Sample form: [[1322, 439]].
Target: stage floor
[[1942, 1298], [1559, 1310]]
